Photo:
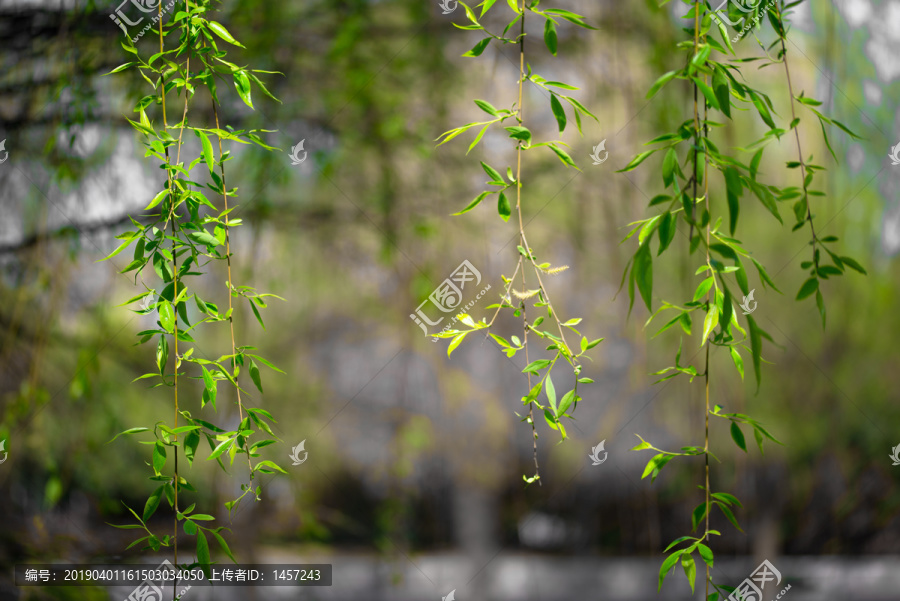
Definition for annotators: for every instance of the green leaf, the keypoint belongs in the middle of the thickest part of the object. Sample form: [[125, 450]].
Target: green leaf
[[667, 565], [220, 31], [852, 264], [754, 163], [564, 86], [208, 380], [568, 16], [764, 275], [728, 514], [455, 342], [221, 448], [563, 155], [697, 516], [727, 498], [487, 107], [738, 361], [519, 133], [474, 203], [762, 109], [593, 343], [661, 82], [162, 353], [159, 457], [734, 189], [706, 553], [741, 276], [207, 149], [550, 36], [492, 173], [478, 48], [655, 465], [690, 569], [738, 436], [846, 129], [264, 466], [707, 92], [566, 402], [551, 392], [643, 445], [268, 364], [128, 431], [558, 111], [202, 549], [153, 502], [122, 67], [254, 375], [640, 158], [667, 228], [668, 168], [808, 287], [703, 288], [643, 272], [477, 138], [503, 207], [167, 316], [122, 246], [157, 199], [720, 87], [242, 85], [486, 6], [190, 446], [820, 302], [223, 545], [204, 237], [756, 348], [712, 318], [765, 196]]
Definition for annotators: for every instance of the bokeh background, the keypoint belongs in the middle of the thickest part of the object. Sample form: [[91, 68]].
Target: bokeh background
[[413, 483]]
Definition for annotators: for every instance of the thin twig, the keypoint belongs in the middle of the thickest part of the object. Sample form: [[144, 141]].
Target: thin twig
[[230, 285]]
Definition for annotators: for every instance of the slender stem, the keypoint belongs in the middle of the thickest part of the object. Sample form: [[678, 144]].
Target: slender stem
[[809, 218], [230, 286], [696, 119], [175, 306], [519, 115], [537, 270], [506, 295], [706, 369], [710, 298], [534, 434], [162, 89]]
